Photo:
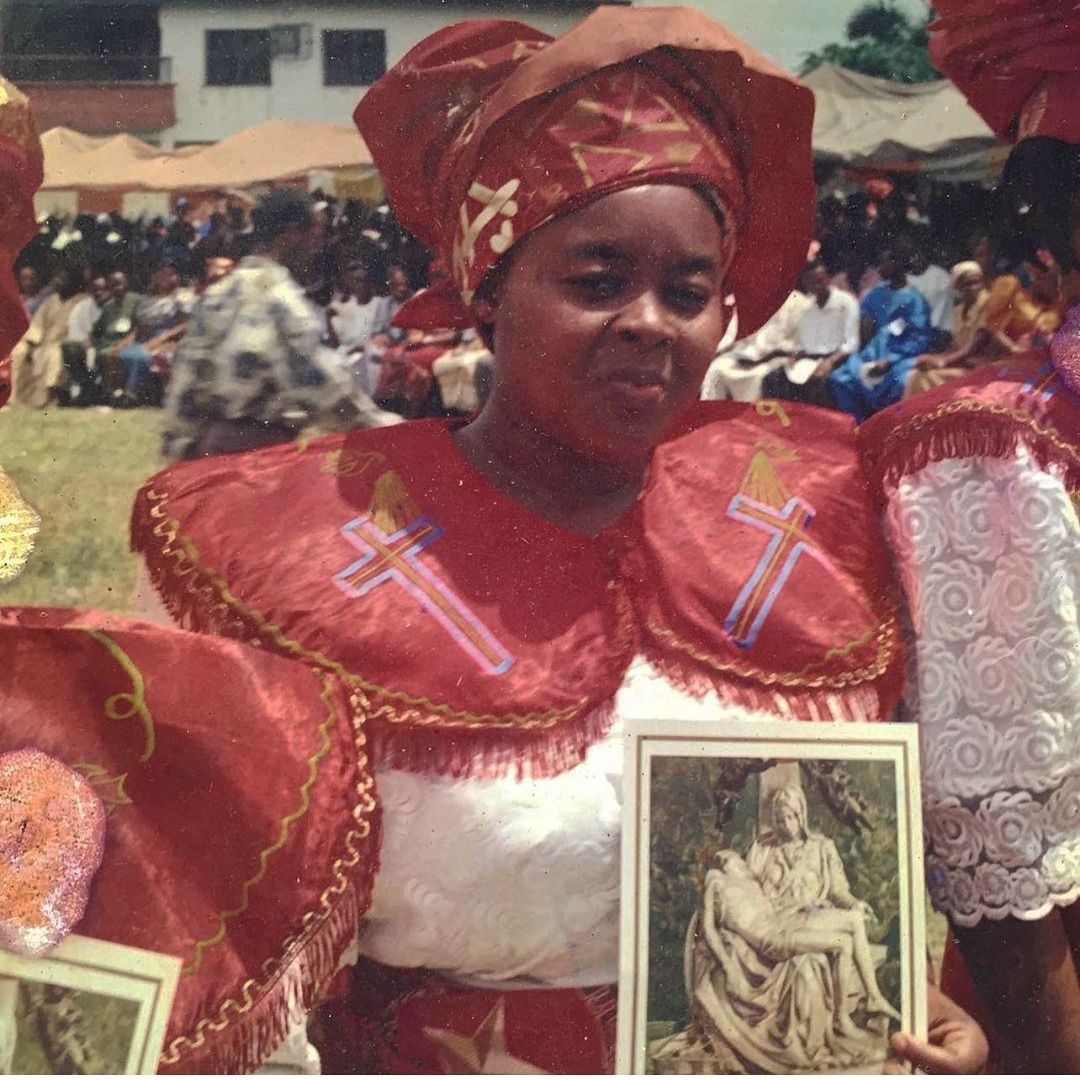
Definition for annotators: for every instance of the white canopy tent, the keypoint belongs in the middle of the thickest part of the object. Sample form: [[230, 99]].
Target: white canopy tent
[[909, 127]]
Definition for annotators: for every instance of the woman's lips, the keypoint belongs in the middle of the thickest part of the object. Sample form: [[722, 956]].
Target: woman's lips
[[636, 389]]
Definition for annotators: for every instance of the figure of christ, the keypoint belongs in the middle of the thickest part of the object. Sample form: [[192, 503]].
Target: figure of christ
[[735, 900]]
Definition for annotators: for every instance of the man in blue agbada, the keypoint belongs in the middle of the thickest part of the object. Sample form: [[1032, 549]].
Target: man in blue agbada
[[899, 332]]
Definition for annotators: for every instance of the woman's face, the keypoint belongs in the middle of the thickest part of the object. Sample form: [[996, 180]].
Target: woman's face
[[608, 319], [786, 822], [968, 286]]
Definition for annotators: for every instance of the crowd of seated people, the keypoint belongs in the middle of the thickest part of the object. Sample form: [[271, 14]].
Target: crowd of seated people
[[110, 301], [887, 307], [882, 313]]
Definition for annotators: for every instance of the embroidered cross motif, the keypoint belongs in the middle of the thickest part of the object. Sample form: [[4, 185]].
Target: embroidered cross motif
[[396, 558], [787, 542]]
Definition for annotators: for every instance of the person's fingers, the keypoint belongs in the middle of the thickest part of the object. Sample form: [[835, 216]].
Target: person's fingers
[[937, 1060]]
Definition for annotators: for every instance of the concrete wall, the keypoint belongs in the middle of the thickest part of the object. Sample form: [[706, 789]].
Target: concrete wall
[[207, 113]]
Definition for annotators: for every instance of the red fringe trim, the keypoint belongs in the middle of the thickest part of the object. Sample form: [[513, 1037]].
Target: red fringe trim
[[251, 1038], [239, 1034], [853, 704], [967, 429], [487, 753]]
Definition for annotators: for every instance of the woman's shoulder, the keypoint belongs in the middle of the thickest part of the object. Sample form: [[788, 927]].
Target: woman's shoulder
[[1019, 407], [760, 556], [268, 474]]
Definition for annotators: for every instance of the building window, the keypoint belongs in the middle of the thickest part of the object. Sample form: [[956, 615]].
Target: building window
[[353, 57], [237, 57]]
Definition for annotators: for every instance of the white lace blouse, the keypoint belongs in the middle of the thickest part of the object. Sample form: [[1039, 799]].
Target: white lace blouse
[[515, 881], [990, 554]]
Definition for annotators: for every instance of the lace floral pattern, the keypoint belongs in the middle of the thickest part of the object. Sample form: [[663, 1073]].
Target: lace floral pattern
[[987, 550]]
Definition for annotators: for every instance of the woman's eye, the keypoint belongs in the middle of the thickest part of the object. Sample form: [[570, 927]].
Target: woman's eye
[[595, 287], [688, 299]]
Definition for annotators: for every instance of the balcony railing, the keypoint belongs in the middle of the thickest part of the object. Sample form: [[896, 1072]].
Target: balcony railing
[[71, 68]]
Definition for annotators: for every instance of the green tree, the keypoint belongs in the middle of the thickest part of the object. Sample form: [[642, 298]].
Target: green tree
[[880, 40]]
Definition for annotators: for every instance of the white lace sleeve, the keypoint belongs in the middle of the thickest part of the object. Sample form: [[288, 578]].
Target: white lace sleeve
[[988, 551]]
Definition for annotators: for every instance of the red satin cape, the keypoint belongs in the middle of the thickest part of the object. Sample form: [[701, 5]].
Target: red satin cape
[[483, 640], [242, 829]]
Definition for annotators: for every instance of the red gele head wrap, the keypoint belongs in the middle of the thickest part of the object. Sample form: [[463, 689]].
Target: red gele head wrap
[[1016, 61], [20, 176], [488, 129]]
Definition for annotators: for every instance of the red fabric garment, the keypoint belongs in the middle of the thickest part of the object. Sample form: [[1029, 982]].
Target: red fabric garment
[[507, 128], [990, 413], [21, 174], [1016, 61], [242, 831], [395, 1020], [482, 639]]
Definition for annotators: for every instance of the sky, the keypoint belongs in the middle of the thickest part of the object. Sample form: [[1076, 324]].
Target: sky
[[786, 29]]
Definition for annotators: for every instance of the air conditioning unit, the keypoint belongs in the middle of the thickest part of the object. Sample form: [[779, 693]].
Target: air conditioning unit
[[291, 41]]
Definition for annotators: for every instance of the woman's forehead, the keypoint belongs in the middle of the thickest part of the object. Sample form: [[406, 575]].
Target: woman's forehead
[[655, 217]]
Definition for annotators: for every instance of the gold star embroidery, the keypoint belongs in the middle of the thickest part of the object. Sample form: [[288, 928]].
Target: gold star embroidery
[[482, 1053]]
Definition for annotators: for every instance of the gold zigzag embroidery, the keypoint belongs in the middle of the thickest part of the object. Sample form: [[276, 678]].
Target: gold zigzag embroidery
[[284, 826], [314, 923]]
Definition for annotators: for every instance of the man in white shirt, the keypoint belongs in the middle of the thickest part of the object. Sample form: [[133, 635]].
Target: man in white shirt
[[933, 282], [826, 331], [84, 378], [737, 372], [828, 327]]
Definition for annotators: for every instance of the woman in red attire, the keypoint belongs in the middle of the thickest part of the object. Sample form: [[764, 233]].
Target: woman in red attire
[[982, 480], [500, 595]]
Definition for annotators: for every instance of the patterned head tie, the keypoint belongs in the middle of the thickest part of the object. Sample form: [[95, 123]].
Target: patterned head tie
[[488, 129], [1016, 61]]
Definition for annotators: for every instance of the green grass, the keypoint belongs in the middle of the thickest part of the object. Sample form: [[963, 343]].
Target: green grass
[[80, 469]]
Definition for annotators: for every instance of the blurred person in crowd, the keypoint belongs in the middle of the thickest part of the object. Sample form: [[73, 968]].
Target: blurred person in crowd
[[385, 335], [897, 330], [933, 281], [826, 331], [181, 234], [37, 363], [250, 371], [113, 329], [972, 343], [159, 323], [738, 371], [84, 383], [1024, 313], [34, 293], [354, 316], [215, 244]]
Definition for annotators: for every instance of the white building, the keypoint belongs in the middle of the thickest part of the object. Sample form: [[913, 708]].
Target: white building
[[236, 64], [194, 71]]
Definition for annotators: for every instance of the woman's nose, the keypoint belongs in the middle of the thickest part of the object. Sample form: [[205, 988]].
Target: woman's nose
[[645, 321]]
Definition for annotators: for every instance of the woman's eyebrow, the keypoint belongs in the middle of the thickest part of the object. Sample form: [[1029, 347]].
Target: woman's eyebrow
[[602, 251], [697, 264]]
